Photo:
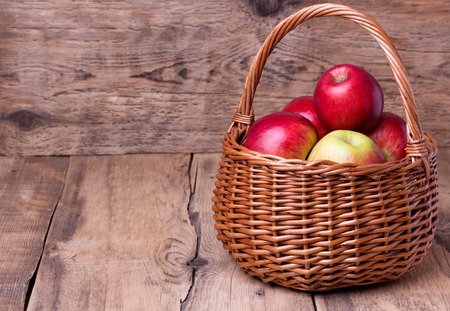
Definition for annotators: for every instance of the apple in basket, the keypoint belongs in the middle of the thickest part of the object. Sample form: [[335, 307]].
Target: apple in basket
[[303, 105], [285, 134], [390, 134], [347, 97], [345, 146]]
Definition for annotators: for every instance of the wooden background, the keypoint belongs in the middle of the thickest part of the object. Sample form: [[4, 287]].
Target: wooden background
[[82, 77], [114, 77]]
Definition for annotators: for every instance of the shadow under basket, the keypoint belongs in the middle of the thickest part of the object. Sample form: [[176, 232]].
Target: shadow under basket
[[317, 226]]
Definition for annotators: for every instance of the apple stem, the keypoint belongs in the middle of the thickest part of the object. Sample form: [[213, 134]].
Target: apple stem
[[340, 79]]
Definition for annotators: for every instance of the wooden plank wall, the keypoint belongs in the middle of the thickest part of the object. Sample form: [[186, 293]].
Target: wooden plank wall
[[114, 77]]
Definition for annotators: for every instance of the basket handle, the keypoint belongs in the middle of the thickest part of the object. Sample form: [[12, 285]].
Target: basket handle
[[244, 115]]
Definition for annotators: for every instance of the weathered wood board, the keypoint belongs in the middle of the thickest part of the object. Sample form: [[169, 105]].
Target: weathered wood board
[[135, 232], [121, 237], [29, 192], [103, 77]]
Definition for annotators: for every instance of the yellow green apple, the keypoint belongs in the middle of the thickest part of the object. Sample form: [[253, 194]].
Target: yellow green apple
[[345, 146]]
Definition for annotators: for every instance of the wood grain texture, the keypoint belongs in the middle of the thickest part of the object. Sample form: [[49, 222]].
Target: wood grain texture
[[117, 77], [121, 238], [219, 284], [29, 191]]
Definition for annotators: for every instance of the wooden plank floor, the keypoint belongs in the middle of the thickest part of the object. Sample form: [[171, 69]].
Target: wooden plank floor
[[135, 232], [29, 191]]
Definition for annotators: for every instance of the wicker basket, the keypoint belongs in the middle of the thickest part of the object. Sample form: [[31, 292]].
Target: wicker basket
[[317, 226]]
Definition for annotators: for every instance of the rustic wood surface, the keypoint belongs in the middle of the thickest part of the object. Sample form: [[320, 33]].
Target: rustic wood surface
[[119, 77], [121, 238], [29, 192], [135, 232]]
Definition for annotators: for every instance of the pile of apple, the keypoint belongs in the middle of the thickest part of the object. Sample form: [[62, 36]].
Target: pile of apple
[[343, 122]]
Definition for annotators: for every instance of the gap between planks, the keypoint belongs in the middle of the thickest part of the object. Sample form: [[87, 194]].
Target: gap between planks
[[33, 277], [195, 222], [29, 192]]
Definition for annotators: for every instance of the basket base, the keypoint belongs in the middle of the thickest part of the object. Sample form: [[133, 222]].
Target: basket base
[[336, 277]]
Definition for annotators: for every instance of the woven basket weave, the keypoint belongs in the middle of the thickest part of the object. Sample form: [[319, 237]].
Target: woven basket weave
[[317, 226]]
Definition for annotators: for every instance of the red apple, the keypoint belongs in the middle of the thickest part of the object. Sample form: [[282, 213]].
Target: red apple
[[304, 106], [347, 97], [285, 134], [390, 135], [344, 146]]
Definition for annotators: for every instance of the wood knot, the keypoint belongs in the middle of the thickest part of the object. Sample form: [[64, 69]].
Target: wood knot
[[260, 292], [83, 75], [265, 7], [25, 120]]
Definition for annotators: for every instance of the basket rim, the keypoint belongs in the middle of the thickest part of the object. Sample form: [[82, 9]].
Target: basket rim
[[234, 149]]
